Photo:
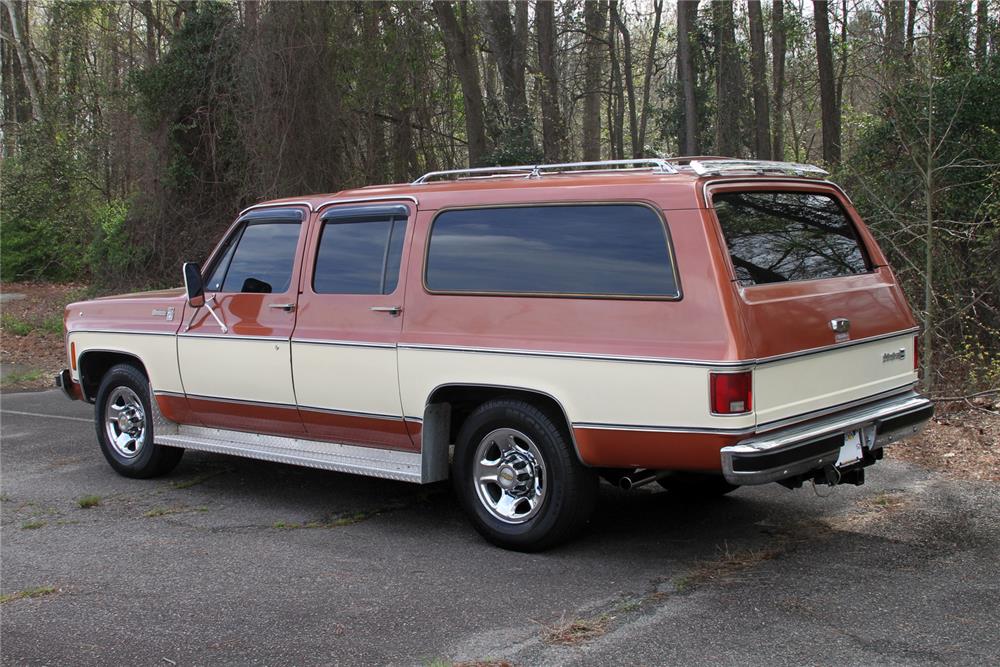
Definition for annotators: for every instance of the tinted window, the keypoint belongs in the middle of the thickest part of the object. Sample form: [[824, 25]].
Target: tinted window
[[586, 250], [359, 257], [214, 283], [263, 260], [780, 236]]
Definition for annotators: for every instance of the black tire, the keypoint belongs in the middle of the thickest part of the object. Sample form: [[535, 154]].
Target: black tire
[[569, 488], [696, 485], [123, 384]]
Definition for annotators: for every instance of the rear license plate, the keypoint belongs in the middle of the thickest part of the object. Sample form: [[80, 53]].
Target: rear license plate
[[850, 452]]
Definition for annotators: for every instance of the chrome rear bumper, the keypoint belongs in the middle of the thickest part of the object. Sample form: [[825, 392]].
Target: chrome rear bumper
[[816, 445]]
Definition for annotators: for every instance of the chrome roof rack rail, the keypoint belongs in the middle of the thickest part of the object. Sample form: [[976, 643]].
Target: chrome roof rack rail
[[727, 166], [534, 171]]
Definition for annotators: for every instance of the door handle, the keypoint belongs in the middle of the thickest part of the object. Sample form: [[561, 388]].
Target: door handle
[[392, 310], [287, 307]]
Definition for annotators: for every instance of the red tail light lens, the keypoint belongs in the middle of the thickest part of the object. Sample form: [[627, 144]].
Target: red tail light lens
[[732, 393]]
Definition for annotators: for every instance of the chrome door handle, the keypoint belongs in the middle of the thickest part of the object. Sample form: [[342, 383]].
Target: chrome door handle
[[392, 310], [287, 307]]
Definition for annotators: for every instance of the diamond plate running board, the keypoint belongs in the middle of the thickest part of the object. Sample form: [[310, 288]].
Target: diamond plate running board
[[386, 463]]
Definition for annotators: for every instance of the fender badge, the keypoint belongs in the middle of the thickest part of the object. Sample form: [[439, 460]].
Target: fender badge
[[164, 312], [841, 327]]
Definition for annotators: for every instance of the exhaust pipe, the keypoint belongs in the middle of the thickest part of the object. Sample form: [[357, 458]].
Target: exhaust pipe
[[633, 480]]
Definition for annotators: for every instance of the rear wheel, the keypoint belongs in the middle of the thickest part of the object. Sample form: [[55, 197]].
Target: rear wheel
[[519, 479], [124, 423], [696, 485]]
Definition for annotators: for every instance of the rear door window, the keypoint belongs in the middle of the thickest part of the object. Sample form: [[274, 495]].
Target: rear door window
[[784, 236], [574, 250], [360, 256]]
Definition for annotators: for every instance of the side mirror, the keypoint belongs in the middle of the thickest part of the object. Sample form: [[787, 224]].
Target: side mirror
[[193, 286]]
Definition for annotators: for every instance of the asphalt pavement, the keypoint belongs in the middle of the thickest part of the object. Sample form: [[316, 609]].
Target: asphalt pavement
[[238, 562]]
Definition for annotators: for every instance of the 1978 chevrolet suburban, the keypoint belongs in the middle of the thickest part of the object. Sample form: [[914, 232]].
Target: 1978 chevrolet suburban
[[703, 323]]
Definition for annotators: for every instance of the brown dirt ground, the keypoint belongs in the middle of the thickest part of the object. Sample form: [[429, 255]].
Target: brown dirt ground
[[39, 350], [963, 440]]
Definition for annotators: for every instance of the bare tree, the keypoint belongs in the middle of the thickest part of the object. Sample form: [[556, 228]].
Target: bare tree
[[616, 98], [778, 50], [758, 68], [553, 128], [626, 48], [982, 32], [829, 113], [728, 93], [458, 45], [688, 140], [32, 78], [594, 14], [509, 42], [647, 80]]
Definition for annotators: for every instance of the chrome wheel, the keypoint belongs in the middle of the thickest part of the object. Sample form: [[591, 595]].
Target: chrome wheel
[[125, 422], [510, 475]]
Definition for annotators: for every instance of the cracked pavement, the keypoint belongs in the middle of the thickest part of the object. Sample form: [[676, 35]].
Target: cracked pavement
[[231, 561]]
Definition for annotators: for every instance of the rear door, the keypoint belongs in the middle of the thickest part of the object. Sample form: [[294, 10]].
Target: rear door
[[350, 316], [822, 310]]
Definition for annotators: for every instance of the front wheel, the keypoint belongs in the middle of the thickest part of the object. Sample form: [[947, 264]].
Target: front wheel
[[518, 478], [124, 422]]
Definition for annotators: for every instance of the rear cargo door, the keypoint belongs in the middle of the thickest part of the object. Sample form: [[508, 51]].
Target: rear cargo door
[[824, 316]]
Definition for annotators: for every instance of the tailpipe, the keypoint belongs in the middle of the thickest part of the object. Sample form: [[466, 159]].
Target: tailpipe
[[633, 480]]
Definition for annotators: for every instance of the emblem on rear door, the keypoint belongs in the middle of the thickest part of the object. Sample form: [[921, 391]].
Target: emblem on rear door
[[894, 356], [841, 328]]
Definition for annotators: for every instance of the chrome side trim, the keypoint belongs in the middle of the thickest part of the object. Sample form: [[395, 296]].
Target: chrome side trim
[[837, 346], [384, 463], [574, 355], [664, 429], [131, 332], [283, 339], [343, 343], [276, 205], [790, 440], [240, 401], [175, 394], [351, 413]]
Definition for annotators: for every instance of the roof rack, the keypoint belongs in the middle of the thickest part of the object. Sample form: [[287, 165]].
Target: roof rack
[[535, 171], [727, 166]]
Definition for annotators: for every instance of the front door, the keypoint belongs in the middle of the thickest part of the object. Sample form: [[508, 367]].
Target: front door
[[237, 374], [349, 321]]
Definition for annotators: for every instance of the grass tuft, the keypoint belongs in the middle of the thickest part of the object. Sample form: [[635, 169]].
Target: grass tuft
[[89, 501], [576, 630], [32, 525], [38, 592]]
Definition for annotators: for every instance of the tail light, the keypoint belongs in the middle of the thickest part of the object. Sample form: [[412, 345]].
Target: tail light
[[732, 393]]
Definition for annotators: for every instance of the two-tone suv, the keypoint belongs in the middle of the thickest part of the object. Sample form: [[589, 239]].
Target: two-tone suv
[[702, 323]]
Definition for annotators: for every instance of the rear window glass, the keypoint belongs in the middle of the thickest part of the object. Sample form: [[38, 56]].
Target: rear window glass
[[782, 236], [359, 257], [587, 250]]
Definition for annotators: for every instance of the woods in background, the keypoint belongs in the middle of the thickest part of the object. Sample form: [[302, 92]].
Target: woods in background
[[133, 131]]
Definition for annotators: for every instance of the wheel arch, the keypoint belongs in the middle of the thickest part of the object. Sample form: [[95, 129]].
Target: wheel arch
[[449, 404], [94, 363]]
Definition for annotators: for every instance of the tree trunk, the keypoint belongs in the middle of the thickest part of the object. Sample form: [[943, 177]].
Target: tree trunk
[[982, 33], [758, 68], [778, 77], [459, 47], [828, 95], [895, 25], [648, 76], [594, 14], [617, 97], [626, 46], [911, 21], [508, 42], [31, 79], [688, 140], [553, 132], [728, 111]]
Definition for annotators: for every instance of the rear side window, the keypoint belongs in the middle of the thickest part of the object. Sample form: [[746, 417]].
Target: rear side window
[[359, 257], [582, 250], [783, 236], [262, 261]]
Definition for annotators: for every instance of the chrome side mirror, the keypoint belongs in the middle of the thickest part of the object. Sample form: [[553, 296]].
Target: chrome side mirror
[[193, 285]]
